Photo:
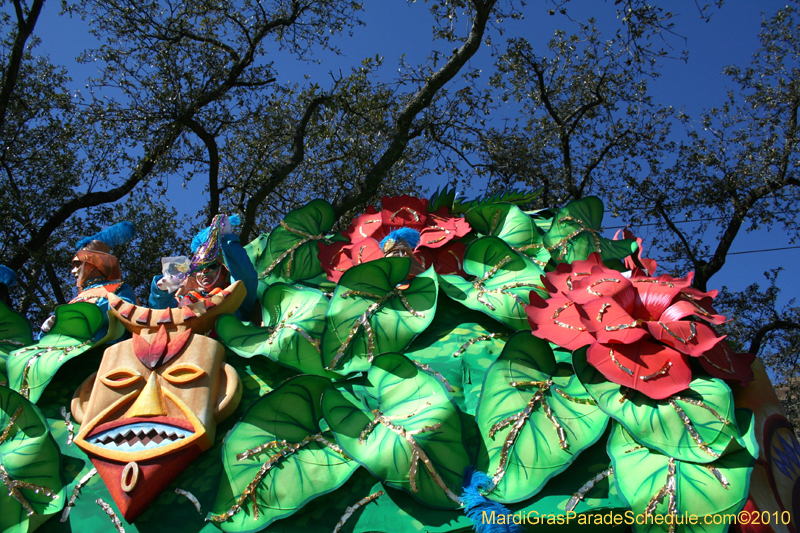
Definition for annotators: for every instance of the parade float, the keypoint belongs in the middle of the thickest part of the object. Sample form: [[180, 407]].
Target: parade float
[[439, 365]]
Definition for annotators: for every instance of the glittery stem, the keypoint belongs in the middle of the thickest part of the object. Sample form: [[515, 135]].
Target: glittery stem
[[566, 396], [578, 496], [111, 514], [438, 375], [598, 282], [619, 365], [678, 337], [258, 449], [250, 491], [660, 372], [353, 508], [11, 422], [408, 306], [687, 423], [75, 492], [719, 476], [15, 490], [517, 421], [307, 237], [562, 244], [191, 498], [699, 403], [362, 322], [478, 284], [68, 425], [478, 339], [417, 453]]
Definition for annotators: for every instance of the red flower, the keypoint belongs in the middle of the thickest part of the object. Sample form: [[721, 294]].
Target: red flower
[[437, 246], [340, 256], [636, 328]]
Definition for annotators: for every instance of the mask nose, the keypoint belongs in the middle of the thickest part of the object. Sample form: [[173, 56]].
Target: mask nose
[[150, 401]]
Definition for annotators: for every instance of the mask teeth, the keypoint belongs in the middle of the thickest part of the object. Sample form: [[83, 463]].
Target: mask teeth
[[143, 436]]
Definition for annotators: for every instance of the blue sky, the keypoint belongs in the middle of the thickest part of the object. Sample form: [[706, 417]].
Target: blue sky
[[395, 27]]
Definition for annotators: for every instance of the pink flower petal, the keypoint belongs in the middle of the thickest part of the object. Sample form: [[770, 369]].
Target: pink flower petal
[[365, 226], [404, 211], [686, 336], [558, 320], [604, 282], [721, 362], [561, 280], [609, 323], [652, 369]]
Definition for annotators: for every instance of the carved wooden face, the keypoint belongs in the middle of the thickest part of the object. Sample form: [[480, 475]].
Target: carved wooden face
[[131, 412], [150, 409]]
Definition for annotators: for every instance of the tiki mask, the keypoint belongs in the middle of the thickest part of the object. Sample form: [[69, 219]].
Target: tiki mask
[[152, 407]]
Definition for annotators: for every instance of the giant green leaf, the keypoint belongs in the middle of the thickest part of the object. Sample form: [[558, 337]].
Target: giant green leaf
[[509, 223], [292, 247], [400, 423], [15, 332], [277, 458], [650, 480], [31, 368], [534, 416], [459, 345], [574, 233], [696, 425], [503, 281], [374, 310], [29, 464], [294, 318]]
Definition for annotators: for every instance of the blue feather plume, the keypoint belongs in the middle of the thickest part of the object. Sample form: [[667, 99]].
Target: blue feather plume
[[114, 236], [200, 238], [235, 220], [410, 235], [7, 276], [476, 504]]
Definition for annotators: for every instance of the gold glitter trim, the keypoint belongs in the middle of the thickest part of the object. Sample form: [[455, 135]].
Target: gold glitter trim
[[634, 449], [598, 282], [667, 490], [572, 398], [68, 425], [111, 514], [363, 322], [708, 408], [562, 244], [75, 492], [191, 498], [687, 423], [563, 324], [274, 330], [438, 375], [578, 496], [660, 372], [353, 508], [407, 210], [678, 337], [15, 490], [602, 310], [658, 282], [250, 491], [11, 422], [361, 226], [620, 366], [478, 339], [417, 453], [719, 476], [307, 237]]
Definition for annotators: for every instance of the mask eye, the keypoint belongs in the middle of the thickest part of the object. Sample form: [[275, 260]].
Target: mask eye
[[120, 377], [183, 373]]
